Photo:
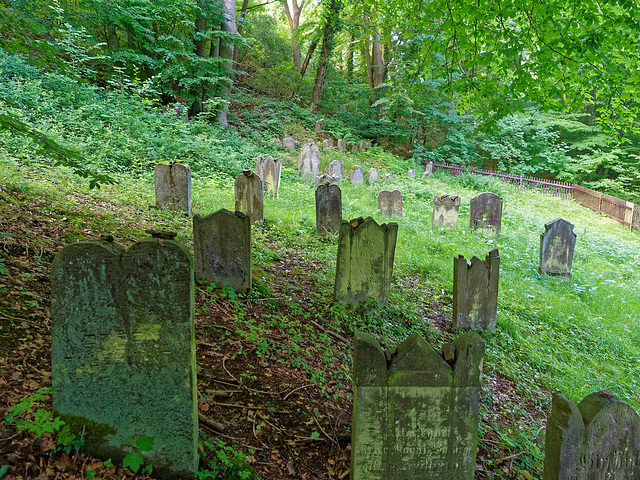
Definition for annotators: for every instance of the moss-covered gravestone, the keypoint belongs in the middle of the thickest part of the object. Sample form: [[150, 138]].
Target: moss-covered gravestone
[[598, 439], [445, 210], [123, 351], [365, 261], [415, 416], [269, 171], [222, 249], [328, 208], [249, 195], [173, 186], [475, 292], [557, 244], [485, 212]]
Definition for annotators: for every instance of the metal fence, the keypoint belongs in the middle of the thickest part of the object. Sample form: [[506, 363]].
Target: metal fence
[[622, 211]]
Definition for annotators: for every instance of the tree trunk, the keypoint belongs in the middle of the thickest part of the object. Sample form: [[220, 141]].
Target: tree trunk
[[350, 58], [200, 46], [293, 17], [378, 69], [243, 14], [331, 18], [226, 52], [112, 37]]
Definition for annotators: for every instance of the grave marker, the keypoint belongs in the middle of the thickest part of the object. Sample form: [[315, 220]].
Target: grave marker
[[327, 144], [309, 160], [342, 145], [289, 143], [328, 179], [365, 261], [320, 125], [249, 195], [173, 186], [336, 168], [389, 178], [475, 292], [428, 169], [328, 208], [372, 176], [557, 244], [222, 249], [269, 170], [390, 203], [357, 175], [445, 210], [411, 173], [485, 212]]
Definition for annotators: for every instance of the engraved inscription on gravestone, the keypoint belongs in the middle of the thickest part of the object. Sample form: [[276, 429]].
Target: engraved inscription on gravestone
[[485, 212], [557, 244], [249, 195], [445, 210], [173, 186], [328, 208]]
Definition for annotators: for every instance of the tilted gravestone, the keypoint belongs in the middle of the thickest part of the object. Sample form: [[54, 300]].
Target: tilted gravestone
[[557, 244], [372, 175], [309, 165], [249, 195], [289, 143], [428, 169], [342, 145], [123, 351], [173, 186], [415, 415], [357, 175], [599, 439], [485, 212], [222, 249], [475, 292], [411, 173], [445, 210], [389, 178], [327, 144], [328, 208], [365, 261], [336, 169], [320, 125], [390, 203], [328, 179], [269, 170]]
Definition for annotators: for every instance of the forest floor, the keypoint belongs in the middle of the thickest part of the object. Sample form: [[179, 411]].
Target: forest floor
[[267, 385]]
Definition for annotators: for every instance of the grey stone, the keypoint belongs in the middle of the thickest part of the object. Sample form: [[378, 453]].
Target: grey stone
[[269, 170], [222, 249], [326, 179], [411, 173], [365, 261], [557, 244], [372, 175], [327, 144], [475, 292], [289, 143], [309, 160], [320, 125], [389, 178], [342, 145], [599, 439], [390, 203], [365, 145], [173, 186], [249, 195], [328, 208], [445, 210], [357, 175], [415, 416], [485, 212], [428, 169], [123, 350], [353, 147], [336, 169]]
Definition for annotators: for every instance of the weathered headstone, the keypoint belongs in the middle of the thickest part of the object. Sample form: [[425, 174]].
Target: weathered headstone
[[327, 144], [326, 179], [289, 143], [389, 178], [428, 169], [365, 261], [475, 292], [249, 195], [353, 147], [599, 439], [390, 203], [415, 415], [372, 175], [342, 145], [320, 125], [357, 175], [485, 212], [123, 351], [309, 160], [222, 249], [445, 210], [411, 173], [557, 244], [269, 170], [364, 145], [336, 169], [328, 208], [173, 186]]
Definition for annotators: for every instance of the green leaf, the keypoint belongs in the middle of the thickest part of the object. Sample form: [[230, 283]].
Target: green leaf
[[134, 461], [3, 469], [107, 463], [144, 443], [315, 435], [90, 474]]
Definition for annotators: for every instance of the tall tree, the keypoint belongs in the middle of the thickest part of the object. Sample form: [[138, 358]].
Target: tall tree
[[293, 18], [330, 26]]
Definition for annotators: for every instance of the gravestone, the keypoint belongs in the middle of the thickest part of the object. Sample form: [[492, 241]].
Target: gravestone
[[249, 195], [485, 212], [123, 351], [445, 210], [599, 439], [389, 178], [557, 244], [336, 168], [328, 179], [411, 173], [372, 175], [328, 208], [415, 415], [357, 175], [365, 145], [222, 249], [390, 203], [365, 261], [269, 170], [320, 125], [327, 144], [173, 186], [428, 169], [353, 147], [342, 145], [289, 143], [309, 160], [475, 292]]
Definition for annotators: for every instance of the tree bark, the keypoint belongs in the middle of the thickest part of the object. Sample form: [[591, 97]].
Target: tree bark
[[243, 14], [226, 52], [293, 17], [331, 18], [378, 69]]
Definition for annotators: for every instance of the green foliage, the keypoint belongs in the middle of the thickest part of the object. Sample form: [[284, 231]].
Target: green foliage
[[223, 461]]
